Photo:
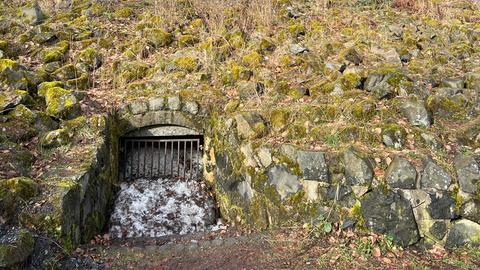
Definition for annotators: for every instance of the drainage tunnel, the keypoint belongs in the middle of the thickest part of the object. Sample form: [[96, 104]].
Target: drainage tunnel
[[162, 191]]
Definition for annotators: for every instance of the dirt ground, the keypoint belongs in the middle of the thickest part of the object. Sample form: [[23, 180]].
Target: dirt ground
[[290, 248]]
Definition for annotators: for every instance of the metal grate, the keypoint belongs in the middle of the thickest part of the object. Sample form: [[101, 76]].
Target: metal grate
[[155, 157]]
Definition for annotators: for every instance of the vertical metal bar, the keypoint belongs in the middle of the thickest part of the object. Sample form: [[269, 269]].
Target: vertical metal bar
[[197, 157], [191, 158], [130, 160], [165, 160], [184, 158], [151, 161], [137, 175], [158, 163], [171, 160], [144, 158], [178, 159]]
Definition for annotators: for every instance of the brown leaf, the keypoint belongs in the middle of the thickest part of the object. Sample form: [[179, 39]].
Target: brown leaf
[[376, 252]]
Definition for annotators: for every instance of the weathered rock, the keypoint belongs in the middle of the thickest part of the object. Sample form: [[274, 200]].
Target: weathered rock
[[442, 205], [471, 210], [313, 165], [11, 99], [13, 192], [458, 83], [358, 168], [264, 156], [285, 182], [247, 152], [191, 107], [431, 140], [16, 245], [389, 213], [67, 72], [297, 49], [91, 58], [464, 232], [448, 106], [401, 174], [379, 86], [14, 160], [55, 138], [434, 176], [158, 37], [44, 123], [245, 190], [33, 14], [416, 112], [61, 103], [174, 103], [439, 229], [352, 55], [250, 125], [126, 72], [54, 54], [394, 136], [156, 104], [138, 108], [468, 173]]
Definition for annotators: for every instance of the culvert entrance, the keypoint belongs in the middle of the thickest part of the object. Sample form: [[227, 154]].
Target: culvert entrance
[[162, 191]]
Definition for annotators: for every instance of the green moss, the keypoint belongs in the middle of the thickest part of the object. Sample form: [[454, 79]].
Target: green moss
[[186, 63], [7, 63], [295, 28], [236, 39], [56, 53], [90, 57], [356, 213], [351, 80], [279, 118], [239, 72], [186, 40], [364, 110], [455, 107], [253, 59], [124, 12], [158, 37], [61, 103], [22, 113], [126, 72], [43, 87]]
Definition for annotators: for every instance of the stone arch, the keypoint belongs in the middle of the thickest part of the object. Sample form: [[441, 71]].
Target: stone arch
[[156, 114]]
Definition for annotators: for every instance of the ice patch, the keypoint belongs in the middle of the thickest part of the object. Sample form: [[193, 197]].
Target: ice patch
[[154, 208]]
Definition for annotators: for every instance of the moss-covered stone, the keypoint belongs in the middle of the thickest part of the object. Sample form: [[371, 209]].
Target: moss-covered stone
[[124, 12], [186, 63], [22, 113], [56, 53], [126, 72], [15, 191], [253, 59], [455, 106], [55, 138], [61, 103], [279, 118], [158, 37], [91, 57], [43, 87], [15, 248], [364, 110]]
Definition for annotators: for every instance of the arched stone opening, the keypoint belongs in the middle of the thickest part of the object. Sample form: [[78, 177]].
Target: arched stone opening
[[160, 173]]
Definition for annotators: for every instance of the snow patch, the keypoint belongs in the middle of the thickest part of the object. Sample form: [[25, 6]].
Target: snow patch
[[154, 208]]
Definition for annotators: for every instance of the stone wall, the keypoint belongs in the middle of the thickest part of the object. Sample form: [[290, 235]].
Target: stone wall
[[263, 184], [267, 185]]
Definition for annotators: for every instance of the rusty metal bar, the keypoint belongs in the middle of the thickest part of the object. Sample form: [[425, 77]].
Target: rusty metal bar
[[178, 159], [191, 158], [171, 160], [149, 150]]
